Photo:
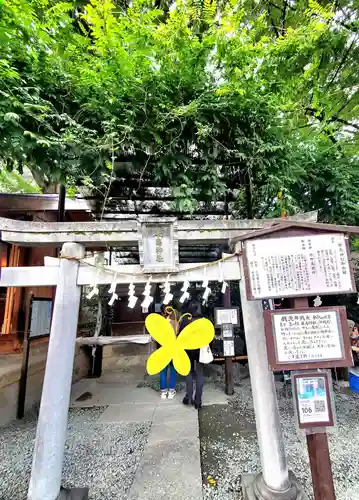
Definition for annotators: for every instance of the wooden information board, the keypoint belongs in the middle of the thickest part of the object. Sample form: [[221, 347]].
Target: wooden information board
[[294, 266], [307, 338]]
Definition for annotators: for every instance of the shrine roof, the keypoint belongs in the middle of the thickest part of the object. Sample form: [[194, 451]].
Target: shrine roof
[[292, 226], [15, 205]]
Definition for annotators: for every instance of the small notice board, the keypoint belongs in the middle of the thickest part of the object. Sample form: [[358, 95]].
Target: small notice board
[[294, 266], [307, 338], [313, 400], [40, 319], [228, 339], [225, 315]]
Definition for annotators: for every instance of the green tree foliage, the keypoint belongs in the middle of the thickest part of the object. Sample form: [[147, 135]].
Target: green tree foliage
[[13, 182], [259, 97]]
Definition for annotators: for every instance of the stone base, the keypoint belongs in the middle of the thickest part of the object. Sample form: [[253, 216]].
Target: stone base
[[73, 494], [250, 489]]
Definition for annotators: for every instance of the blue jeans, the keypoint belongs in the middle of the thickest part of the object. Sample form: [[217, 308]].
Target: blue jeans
[[163, 378]]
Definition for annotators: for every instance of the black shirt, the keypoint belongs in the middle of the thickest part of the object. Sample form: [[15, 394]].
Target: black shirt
[[193, 354]]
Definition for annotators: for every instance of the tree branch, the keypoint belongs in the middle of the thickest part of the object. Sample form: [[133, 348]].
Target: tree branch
[[281, 8], [284, 15], [249, 194], [342, 62], [346, 103], [344, 122], [275, 6], [321, 118], [350, 27], [276, 32]]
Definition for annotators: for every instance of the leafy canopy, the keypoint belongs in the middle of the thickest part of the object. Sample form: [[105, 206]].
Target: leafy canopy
[[236, 98]]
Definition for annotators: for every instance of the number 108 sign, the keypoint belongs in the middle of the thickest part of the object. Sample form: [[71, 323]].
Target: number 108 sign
[[313, 401]]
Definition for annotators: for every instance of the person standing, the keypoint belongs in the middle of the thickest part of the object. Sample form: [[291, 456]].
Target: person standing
[[196, 374], [168, 376], [354, 340], [354, 336]]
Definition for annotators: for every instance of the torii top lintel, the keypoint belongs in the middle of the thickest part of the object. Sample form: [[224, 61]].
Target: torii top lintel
[[125, 232]]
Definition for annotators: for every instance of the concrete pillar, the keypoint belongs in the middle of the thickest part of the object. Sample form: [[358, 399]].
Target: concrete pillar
[[51, 432], [274, 481]]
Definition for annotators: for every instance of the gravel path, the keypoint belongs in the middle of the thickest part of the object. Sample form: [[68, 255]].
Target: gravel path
[[229, 444], [103, 457]]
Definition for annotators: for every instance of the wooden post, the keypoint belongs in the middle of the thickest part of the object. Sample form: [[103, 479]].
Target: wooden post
[[320, 466], [318, 451], [45, 481], [97, 362], [13, 295], [228, 361], [96, 355], [24, 362], [61, 204]]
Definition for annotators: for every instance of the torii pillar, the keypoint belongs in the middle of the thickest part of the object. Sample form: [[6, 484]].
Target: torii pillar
[[45, 481], [274, 482]]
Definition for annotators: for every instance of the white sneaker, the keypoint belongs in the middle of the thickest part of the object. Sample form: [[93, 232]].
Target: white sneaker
[[164, 394], [171, 394]]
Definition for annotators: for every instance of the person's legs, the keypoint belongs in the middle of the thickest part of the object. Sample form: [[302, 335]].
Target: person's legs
[[187, 400], [163, 382], [199, 385], [172, 383]]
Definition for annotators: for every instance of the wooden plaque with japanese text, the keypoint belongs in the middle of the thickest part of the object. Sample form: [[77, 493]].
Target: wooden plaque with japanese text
[[158, 245], [298, 266], [302, 339]]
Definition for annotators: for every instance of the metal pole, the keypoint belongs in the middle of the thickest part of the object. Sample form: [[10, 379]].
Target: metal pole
[[45, 481], [274, 481]]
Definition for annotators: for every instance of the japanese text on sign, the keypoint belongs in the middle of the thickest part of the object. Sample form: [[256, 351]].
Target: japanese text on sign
[[307, 336], [159, 244], [158, 247], [300, 265], [228, 347], [224, 316], [227, 330]]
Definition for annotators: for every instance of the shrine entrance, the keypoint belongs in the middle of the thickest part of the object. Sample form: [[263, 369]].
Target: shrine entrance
[[159, 241]]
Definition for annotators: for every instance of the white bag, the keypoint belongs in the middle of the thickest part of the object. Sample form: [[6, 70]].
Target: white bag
[[205, 355]]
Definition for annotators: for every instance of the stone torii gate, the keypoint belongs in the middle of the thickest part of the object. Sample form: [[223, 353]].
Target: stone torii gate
[[158, 240]]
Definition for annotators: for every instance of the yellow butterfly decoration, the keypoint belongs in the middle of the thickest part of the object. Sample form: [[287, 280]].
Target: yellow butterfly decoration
[[195, 335]]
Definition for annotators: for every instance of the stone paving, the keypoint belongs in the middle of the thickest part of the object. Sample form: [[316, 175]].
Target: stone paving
[[123, 442], [171, 458]]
